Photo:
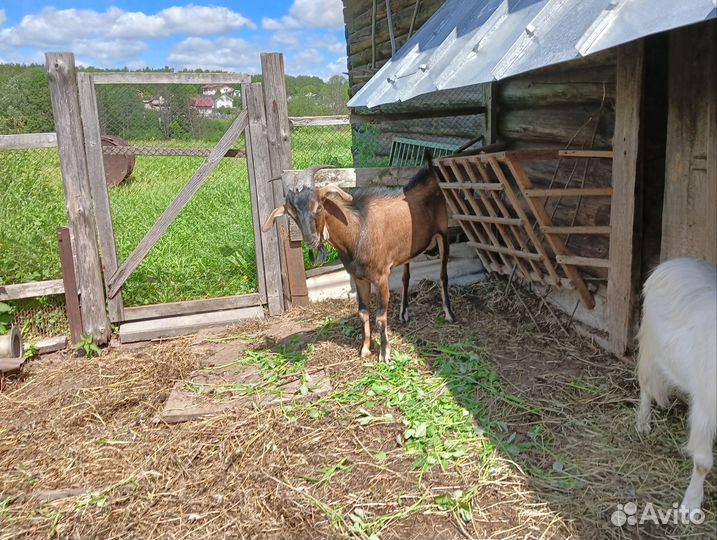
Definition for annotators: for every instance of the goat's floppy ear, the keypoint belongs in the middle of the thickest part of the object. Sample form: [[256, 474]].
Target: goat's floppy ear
[[278, 212], [326, 190]]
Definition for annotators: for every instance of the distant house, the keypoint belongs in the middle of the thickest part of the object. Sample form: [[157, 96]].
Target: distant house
[[214, 89], [154, 103], [203, 105], [224, 102]]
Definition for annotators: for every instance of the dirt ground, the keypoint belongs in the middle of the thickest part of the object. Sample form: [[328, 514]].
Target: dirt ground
[[504, 425]]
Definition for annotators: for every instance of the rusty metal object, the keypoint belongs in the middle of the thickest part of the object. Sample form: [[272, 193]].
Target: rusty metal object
[[117, 167]]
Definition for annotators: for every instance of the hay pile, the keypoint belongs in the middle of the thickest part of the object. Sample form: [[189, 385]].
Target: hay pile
[[84, 455]]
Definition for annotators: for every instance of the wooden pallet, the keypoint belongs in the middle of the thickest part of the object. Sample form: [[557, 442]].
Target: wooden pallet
[[506, 221]]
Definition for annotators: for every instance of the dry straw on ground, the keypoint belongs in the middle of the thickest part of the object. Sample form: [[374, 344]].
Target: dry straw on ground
[[554, 451]]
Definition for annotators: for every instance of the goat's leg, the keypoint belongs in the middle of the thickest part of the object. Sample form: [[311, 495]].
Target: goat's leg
[[404, 293], [644, 412], [363, 293], [702, 431], [444, 251], [382, 316]]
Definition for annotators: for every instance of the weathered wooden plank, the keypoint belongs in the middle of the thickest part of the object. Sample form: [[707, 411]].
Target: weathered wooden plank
[[135, 77], [689, 215], [188, 191], [32, 289], [51, 344], [28, 141], [569, 192], [505, 250], [64, 95], [487, 219], [188, 307], [606, 154], [557, 124], [279, 132], [621, 285], [259, 166], [98, 188], [304, 121], [350, 178], [184, 324], [577, 229], [478, 186], [582, 261], [69, 282]]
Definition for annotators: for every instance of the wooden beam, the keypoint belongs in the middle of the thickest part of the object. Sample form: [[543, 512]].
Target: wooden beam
[[279, 133], [351, 178], [569, 192], [472, 185], [582, 261], [28, 141], [621, 285], [190, 189], [487, 219], [185, 324], [577, 229], [32, 289], [69, 281], [135, 77], [260, 169], [491, 113], [415, 115], [188, 307], [64, 95], [304, 121], [604, 154], [505, 251], [98, 187]]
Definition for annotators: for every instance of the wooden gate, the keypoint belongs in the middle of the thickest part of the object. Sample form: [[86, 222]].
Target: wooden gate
[[100, 274]]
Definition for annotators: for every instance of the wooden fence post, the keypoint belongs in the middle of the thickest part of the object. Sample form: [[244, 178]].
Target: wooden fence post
[[64, 95], [69, 280], [257, 151], [98, 186], [279, 134], [622, 277]]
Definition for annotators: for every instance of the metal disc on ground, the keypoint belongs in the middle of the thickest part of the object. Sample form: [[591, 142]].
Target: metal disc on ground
[[117, 167]]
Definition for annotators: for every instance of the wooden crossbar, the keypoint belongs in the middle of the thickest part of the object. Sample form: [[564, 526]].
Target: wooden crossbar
[[582, 261], [577, 229], [487, 219], [506, 251], [472, 185], [569, 192]]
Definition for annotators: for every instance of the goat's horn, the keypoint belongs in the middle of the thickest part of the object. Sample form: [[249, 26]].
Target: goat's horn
[[336, 189]]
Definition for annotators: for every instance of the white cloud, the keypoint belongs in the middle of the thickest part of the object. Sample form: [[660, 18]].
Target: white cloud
[[228, 54], [3, 17], [285, 37], [53, 26], [309, 14], [318, 13]]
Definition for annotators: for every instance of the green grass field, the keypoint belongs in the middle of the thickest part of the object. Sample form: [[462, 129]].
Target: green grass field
[[207, 252]]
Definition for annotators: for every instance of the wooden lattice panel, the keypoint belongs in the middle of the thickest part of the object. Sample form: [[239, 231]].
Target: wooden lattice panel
[[506, 221]]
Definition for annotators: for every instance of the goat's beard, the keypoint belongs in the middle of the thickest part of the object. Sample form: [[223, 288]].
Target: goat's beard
[[319, 254]]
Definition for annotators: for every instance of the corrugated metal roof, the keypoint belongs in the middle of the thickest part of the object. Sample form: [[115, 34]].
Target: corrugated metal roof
[[469, 42]]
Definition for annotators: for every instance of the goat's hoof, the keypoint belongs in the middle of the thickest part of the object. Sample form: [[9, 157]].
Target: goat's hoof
[[691, 504], [384, 356], [404, 318], [365, 351], [643, 427]]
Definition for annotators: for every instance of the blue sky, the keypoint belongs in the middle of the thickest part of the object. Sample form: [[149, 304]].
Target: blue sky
[[215, 35]]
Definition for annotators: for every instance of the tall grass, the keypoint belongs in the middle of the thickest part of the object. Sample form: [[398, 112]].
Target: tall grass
[[207, 252]]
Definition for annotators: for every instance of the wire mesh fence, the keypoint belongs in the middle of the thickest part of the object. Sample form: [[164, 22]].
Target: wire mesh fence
[[169, 130]]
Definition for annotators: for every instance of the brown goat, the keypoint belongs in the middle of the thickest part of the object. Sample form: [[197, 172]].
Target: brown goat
[[373, 231]]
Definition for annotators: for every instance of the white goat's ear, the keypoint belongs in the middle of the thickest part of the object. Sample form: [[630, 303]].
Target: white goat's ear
[[327, 190], [278, 212]]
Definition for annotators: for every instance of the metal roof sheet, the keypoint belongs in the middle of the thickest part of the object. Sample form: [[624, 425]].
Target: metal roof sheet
[[469, 42]]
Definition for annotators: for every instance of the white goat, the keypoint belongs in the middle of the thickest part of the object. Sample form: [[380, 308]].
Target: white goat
[[677, 350]]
